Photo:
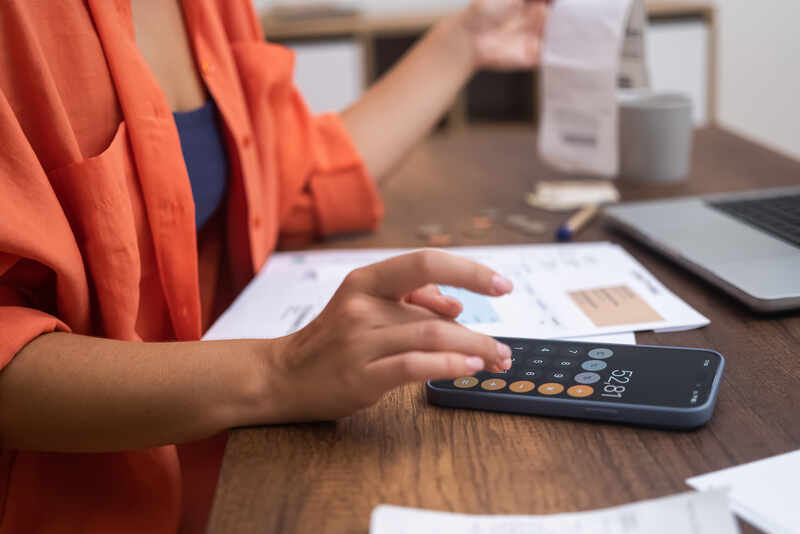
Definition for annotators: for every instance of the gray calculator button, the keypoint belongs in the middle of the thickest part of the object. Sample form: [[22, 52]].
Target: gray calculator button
[[593, 365], [529, 374], [601, 354], [557, 375], [587, 378], [538, 361]]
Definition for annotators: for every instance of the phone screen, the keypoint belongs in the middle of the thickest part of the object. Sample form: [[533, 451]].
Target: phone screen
[[671, 377]]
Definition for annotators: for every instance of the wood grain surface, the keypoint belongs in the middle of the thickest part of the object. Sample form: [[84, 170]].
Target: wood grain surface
[[328, 477]]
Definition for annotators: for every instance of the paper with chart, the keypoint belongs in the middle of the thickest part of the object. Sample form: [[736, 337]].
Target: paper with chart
[[690, 513], [766, 493], [560, 291]]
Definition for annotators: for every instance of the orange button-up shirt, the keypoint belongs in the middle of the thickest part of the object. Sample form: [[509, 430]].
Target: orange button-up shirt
[[97, 232]]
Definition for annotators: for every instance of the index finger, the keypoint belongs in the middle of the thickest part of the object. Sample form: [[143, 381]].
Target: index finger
[[396, 277]]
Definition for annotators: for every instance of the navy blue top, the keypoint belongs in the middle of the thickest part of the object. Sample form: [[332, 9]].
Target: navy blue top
[[206, 159]]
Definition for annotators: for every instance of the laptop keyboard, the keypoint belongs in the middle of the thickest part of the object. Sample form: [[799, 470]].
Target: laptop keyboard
[[778, 216]]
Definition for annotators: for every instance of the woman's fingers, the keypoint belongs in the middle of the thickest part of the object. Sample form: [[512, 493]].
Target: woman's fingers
[[397, 277], [440, 336], [388, 373], [536, 17], [431, 298]]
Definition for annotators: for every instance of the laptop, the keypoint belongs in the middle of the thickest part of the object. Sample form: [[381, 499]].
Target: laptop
[[747, 243]]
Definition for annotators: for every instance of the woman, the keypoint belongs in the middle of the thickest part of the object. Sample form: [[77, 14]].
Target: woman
[[154, 153]]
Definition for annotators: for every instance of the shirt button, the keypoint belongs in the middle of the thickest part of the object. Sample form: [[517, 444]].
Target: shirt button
[[246, 141], [207, 67], [257, 222]]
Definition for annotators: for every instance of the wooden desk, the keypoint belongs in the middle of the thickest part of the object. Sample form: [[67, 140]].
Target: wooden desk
[[328, 477]]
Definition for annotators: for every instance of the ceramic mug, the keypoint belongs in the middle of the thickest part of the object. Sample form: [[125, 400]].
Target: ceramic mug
[[655, 135]]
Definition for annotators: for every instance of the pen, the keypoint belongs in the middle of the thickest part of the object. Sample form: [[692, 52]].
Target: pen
[[574, 224]]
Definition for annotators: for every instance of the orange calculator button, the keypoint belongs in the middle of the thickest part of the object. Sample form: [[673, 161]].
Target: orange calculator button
[[551, 388], [465, 382], [522, 386], [493, 384], [580, 391]]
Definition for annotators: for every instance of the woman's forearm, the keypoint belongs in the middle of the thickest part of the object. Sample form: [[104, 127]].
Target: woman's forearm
[[406, 103], [70, 393], [386, 325]]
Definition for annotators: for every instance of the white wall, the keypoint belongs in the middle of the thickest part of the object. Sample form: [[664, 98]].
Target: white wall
[[329, 74], [759, 71], [677, 57]]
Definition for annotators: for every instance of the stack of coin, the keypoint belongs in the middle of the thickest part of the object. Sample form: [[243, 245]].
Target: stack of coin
[[478, 228], [524, 224]]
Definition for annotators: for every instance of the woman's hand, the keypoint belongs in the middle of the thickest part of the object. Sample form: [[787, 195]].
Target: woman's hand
[[408, 101], [385, 326], [505, 34]]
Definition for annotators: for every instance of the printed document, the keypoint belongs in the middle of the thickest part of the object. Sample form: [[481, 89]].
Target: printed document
[[765, 493], [690, 513], [560, 291]]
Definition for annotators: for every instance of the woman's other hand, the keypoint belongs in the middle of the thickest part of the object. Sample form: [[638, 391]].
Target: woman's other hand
[[409, 100], [505, 34], [385, 326]]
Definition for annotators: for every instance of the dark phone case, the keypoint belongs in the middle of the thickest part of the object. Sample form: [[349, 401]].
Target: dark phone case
[[653, 416]]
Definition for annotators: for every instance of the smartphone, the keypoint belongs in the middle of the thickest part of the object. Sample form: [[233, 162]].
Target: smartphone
[[668, 387]]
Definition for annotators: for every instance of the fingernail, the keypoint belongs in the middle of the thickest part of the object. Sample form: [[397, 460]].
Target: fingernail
[[474, 363], [502, 285], [504, 351], [507, 364]]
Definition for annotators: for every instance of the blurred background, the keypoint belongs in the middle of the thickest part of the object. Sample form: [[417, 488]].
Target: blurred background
[[736, 59]]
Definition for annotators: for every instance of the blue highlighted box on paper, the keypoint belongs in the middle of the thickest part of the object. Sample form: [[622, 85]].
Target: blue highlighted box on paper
[[478, 309]]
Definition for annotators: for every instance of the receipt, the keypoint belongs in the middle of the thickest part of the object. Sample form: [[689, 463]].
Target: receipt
[[690, 513], [590, 47], [633, 73]]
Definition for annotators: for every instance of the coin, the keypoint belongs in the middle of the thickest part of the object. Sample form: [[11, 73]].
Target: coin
[[478, 227], [481, 223], [440, 240]]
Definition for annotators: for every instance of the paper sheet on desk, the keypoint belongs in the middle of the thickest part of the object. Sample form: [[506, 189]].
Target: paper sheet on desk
[[765, 493], [559, 291], [690, 513]]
